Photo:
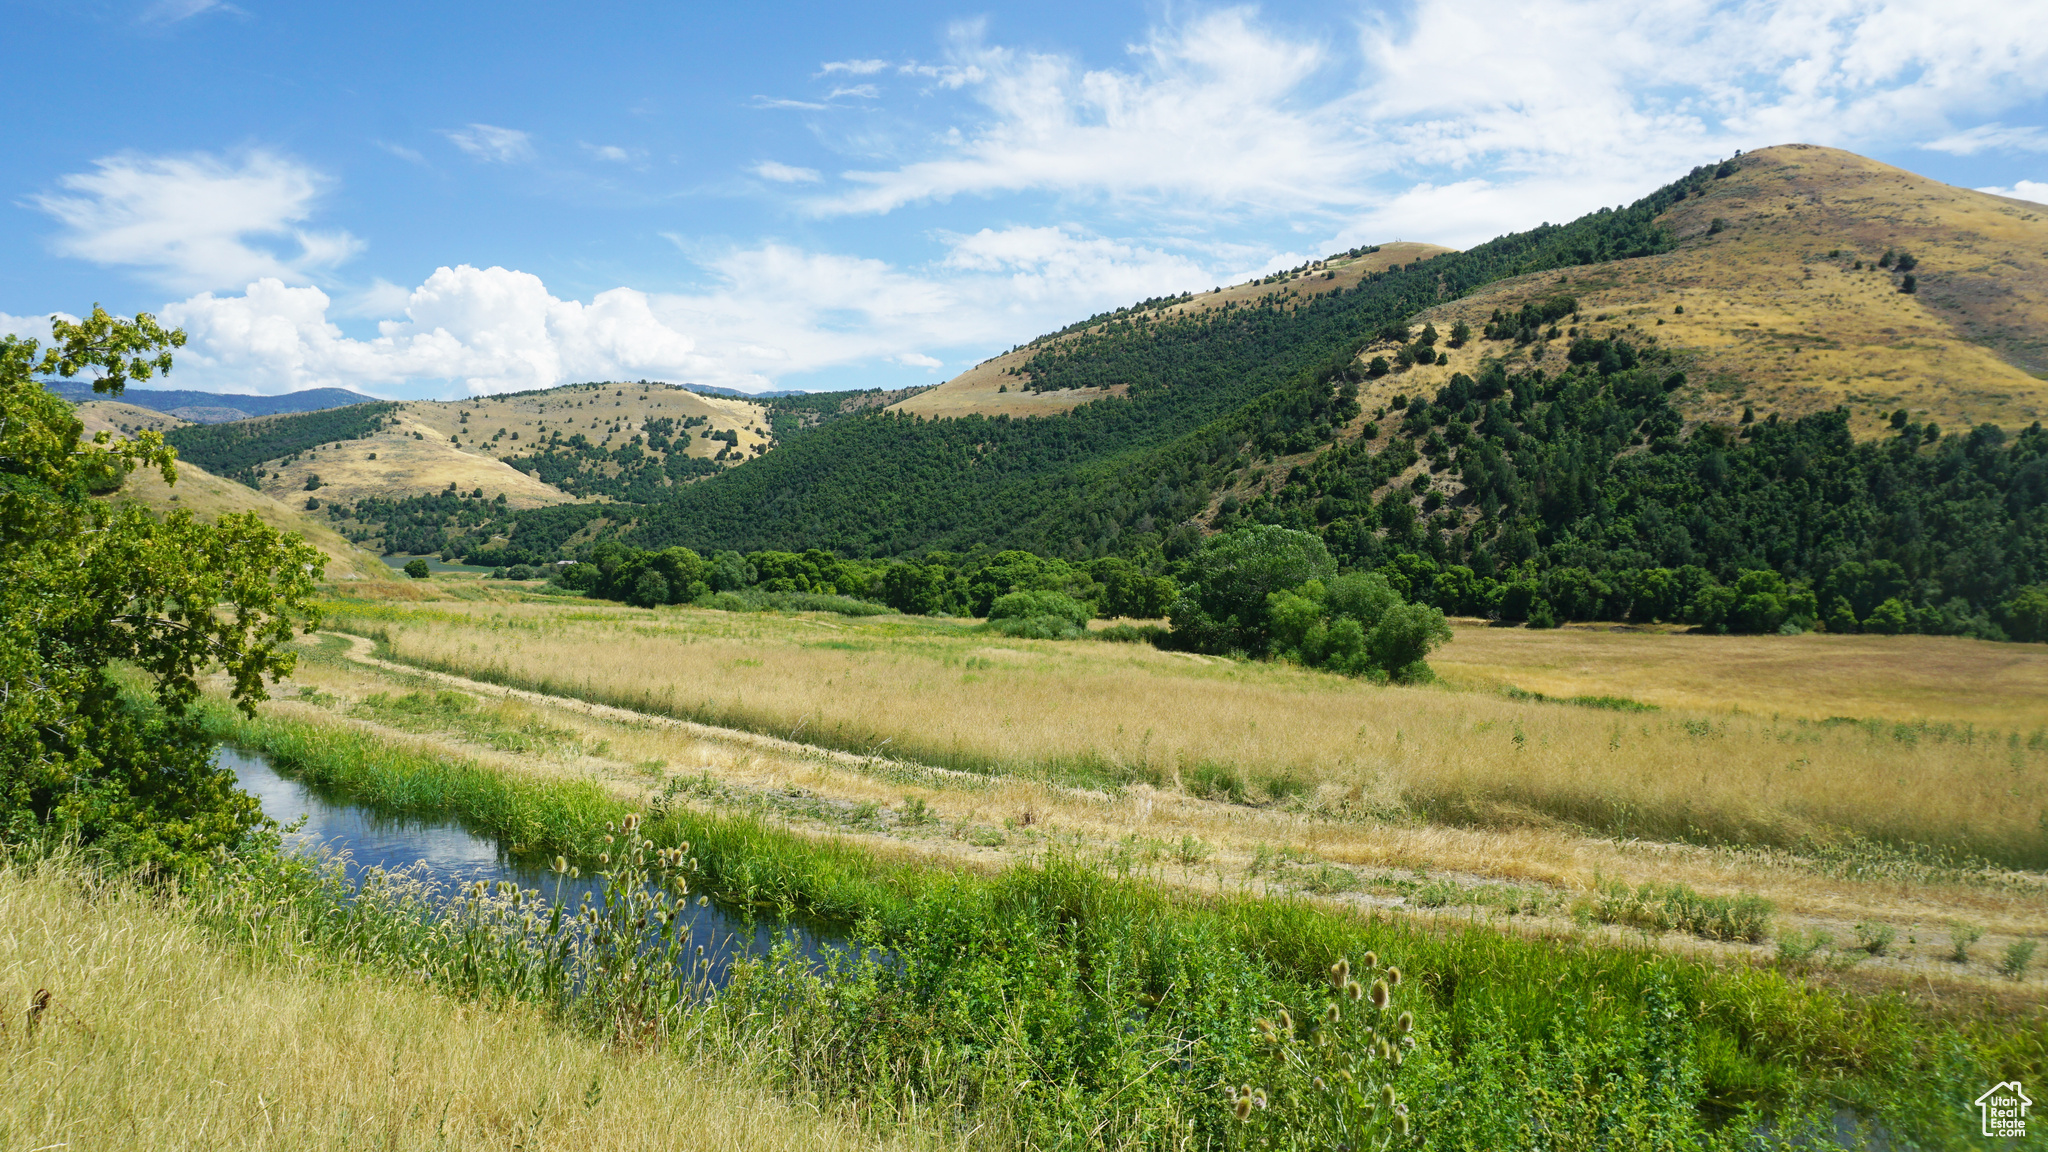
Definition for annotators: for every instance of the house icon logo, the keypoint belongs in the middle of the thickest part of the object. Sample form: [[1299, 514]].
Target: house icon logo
[[2004, 1108]]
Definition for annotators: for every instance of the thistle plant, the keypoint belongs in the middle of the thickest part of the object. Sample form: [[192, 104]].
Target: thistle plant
[[1332, 1081], [633, 950]]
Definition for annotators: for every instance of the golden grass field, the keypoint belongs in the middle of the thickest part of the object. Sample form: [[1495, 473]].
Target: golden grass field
[[1747, 767], [1346, 839], [1777, 316], [158, 1037], [984, 389]]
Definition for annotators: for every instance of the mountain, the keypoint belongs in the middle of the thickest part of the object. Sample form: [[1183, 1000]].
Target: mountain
[[213, 407]]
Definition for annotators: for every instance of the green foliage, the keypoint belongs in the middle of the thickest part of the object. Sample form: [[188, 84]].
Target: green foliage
[[1668, 907], [236, 449], [1225, 601], [2018, 954], [1022, 605], [2025, 615], [88, 587], [417, 568]]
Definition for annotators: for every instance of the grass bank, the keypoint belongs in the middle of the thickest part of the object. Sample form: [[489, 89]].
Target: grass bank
[[1050, 1005], [165, 1030]]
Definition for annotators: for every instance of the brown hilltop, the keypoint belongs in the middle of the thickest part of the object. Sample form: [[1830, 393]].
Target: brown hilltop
[[1778, 317]]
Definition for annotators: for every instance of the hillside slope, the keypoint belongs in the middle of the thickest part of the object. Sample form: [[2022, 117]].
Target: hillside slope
[[999, 386], [207, 497], [1775, 299]]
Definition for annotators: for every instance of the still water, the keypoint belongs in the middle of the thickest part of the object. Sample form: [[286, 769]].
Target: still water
[[451, 856]]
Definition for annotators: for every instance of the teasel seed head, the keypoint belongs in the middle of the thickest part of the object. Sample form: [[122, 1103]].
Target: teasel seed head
[[1243, 1107], [1372, 960], [1380, 995], [561, 865], [1286, 1022], [1401, 1123], [1405, 1022], [1394, 976], [1386, 1095], [608, 838], [632, 821], [1340, 972], [1331, 1015], [1259, 1098], [608, 826], [1354, 989], [1319, 1085], [703, 901]]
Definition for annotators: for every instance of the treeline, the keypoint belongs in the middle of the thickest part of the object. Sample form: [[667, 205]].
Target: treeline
[[449, 522], [236, 450], [935, 584], [642, 470]]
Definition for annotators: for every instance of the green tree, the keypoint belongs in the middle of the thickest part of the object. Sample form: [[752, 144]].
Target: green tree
[[1887, 619], [417, 568], [649, 590], [89, 587], [2026, 614], [1225, 607]]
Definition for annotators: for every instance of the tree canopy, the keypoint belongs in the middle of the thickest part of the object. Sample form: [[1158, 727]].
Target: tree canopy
[[94, 591]]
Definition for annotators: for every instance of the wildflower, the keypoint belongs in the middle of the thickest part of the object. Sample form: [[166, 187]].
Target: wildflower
[[1340, 972], [561, 865], [1354, 989], [1331, 1015], [604, 857], [703, 901], [1405, 1022], [1259, 1099], [607, 838], [1243, 1107], [1372, 960], [1393, 976], [1380, 995], [575, 873]]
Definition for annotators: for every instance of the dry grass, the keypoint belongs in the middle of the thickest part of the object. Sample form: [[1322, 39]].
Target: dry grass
[[157, 1038], [208, 496], [409, 467], [1773, 321], [933, 692], [985, 390], [973, 821]]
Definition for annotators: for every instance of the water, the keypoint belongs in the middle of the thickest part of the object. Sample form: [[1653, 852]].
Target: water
[[450, 856]]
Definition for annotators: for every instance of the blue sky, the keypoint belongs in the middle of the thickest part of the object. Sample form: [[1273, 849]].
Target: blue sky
[[435, 200]]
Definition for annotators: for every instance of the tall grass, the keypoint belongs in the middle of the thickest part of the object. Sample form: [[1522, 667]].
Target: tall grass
[[1113, 713], [165, 1031], [1053, 1006]]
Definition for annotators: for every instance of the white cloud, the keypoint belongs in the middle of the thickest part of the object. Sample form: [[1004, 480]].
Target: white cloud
[[609, 152], [490, 143], [1453, 109], [773, 102], [36, 328], [853, 67], [785, 173], [861, 91], [1992, 137], [769, 312], [2034, 190], [190, 222]]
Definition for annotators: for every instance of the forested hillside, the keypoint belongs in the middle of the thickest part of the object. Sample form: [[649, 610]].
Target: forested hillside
[[234, 450], [1093, 481]]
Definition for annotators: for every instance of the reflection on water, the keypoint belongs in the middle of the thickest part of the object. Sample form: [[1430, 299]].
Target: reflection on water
[[450, 856]]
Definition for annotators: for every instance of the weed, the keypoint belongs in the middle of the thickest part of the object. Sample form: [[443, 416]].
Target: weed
[[1191, 851], [2018, 954], [1799, 948], [1875, 938], [915, 812], [1960, 939], [1666, 907]]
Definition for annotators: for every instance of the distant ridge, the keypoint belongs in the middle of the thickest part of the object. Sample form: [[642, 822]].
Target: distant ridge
[[714, 390], [214, 407]]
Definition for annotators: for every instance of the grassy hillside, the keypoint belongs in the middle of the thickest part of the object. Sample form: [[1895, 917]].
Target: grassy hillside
[[1780, 298], [119, 419], [207, 496], [1000, 386]]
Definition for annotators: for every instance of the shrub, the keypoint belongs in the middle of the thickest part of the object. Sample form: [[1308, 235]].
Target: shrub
[[520, 572], [2018, 955], [417, 568], [1960, 938], [1035, 627], [1025, 605]]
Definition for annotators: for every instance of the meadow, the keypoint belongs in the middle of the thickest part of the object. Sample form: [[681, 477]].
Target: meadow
[[1708, 740]]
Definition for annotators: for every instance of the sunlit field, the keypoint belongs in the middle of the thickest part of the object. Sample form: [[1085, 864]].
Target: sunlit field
[[1954, 757]]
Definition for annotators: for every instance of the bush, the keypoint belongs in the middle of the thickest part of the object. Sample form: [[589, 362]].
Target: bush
[[520, 572], [1026, 605], [1132, 634], [1035, 627], [2018, 955], [417, 568]]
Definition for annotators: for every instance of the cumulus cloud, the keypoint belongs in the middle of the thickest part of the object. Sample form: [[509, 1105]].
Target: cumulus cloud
[[2034, 190], [769, 311], [492, 144], [785, 173], [196, 222], [609, 152]]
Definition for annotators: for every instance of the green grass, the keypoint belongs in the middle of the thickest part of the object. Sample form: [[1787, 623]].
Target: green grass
[[1053, 1005]]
